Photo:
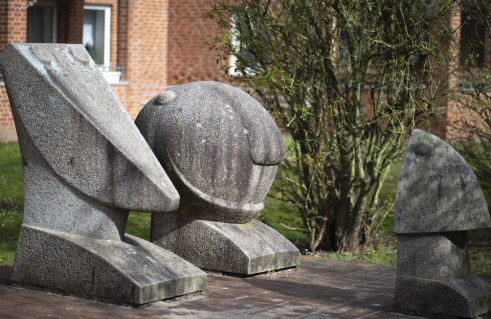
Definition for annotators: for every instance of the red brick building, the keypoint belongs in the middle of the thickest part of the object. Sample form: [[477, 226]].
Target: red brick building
[[153, 43]]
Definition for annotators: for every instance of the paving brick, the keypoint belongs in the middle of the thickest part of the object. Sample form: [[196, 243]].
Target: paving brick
[[405, 315], [95, 308], [245, 290], [11, 313], [346, 311], [285, 311], [298, 294], [34, 308], [21, 296], [72, 314], [6, 290], [61, 302], [277, 298], [6, 303]]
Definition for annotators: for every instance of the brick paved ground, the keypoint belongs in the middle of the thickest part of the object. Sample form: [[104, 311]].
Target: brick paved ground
[[320, 288]]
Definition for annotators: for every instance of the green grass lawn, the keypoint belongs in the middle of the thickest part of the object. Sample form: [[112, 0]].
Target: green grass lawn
[[384, 249], [11, 200]]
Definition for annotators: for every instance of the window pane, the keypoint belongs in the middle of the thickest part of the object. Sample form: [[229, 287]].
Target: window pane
[[48, 24], [40, 24], [472, 39], [93, 38]]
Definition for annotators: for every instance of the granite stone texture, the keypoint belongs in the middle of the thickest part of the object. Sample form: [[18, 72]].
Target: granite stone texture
[[131, 270], [433, 275], [85, 166], [436, 190], [445, 255], [236, 248], [438, 199], [219, 146], [221, 150]]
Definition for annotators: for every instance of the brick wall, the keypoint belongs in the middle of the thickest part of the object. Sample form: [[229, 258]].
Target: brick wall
[[450, 122], [3, 23], [70, 21], [453, 110], [122, 45], [129, 49], [143, 27], [153, 53], [187, 32], [13, 29], [16, 21], [76, 21], [121, 92], [446, 72], [62, 8]]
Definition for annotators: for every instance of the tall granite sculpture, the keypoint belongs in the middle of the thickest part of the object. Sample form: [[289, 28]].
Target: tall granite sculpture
[[221, 150], [438, 199], [85, 166]]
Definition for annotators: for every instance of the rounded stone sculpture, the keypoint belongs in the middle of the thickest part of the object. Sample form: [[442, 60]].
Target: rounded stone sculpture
[[219, 146], [221, 150]]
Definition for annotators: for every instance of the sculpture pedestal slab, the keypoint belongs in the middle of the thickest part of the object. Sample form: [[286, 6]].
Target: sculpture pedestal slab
[[133, 270], [236, 248], [433, 275], [467, 297]]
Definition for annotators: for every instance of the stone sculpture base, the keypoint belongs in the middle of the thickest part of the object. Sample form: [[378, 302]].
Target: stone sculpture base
[[236, 248], [433, 275], [133, 270], [467, 297]]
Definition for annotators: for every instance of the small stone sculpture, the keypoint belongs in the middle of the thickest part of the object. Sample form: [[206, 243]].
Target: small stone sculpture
[[221, 150], [438, 199], [85, 166]]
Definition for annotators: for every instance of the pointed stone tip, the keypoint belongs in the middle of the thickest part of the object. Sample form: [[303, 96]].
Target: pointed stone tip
[[3, 53], [437, 190]]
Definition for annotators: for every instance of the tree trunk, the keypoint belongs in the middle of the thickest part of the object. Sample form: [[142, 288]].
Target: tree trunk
[[341, 224], [315, 243], [352, 226]]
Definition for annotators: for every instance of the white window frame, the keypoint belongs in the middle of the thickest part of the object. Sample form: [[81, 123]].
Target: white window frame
[[233, 59], [55, 17], [107, 30]]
